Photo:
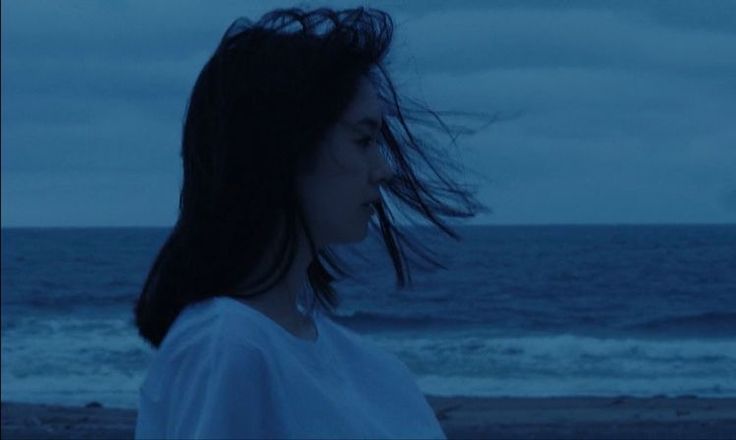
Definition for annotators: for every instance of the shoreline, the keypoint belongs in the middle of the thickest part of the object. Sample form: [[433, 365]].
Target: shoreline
[[623, 417]]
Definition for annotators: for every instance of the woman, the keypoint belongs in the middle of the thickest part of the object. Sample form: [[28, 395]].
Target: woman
[[292, 127]]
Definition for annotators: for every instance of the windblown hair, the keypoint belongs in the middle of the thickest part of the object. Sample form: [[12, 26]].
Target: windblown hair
[[255, 119]]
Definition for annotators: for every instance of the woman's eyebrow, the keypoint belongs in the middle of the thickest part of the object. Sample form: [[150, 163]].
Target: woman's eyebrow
[[369, 122]]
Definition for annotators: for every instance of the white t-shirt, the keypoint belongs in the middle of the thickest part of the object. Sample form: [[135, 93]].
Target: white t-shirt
[[225, 370]]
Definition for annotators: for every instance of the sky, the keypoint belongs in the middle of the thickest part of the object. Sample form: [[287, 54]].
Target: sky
[[609, 112]]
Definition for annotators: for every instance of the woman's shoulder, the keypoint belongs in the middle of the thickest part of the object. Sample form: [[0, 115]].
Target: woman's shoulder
[[206, 336], [212, 322]]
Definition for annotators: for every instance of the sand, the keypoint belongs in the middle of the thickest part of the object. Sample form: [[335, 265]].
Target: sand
[[685, 417]]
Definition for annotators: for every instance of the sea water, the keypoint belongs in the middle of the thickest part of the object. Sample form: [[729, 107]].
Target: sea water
[[517, 311]]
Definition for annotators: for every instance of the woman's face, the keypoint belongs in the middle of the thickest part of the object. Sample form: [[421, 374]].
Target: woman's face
[[347, 173]]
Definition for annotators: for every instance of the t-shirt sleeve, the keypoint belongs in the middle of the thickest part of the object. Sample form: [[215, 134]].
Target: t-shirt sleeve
[[219, 390]]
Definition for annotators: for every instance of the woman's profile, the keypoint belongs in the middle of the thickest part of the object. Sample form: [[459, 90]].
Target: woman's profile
[[294, 136]]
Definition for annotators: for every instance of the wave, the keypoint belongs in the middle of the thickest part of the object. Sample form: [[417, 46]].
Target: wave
[[47, 300], [703, 324], [390, 322]]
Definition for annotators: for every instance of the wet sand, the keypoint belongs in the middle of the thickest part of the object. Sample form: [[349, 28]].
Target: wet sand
[[685, 417]]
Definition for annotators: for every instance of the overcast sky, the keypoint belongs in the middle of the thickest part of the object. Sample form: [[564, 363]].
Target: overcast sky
[[625, 112]]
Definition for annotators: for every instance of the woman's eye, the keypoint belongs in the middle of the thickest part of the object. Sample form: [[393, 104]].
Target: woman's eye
[[365, 141]]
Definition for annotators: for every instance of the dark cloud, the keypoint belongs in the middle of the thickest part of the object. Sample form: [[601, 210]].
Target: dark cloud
[[709, 15], [544, 38], [727, 198], [625, 109]]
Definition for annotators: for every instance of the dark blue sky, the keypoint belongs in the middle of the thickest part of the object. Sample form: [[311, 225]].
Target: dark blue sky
[[623, 111]]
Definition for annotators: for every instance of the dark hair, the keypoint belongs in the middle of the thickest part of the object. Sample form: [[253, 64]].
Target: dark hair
[[246, 126]]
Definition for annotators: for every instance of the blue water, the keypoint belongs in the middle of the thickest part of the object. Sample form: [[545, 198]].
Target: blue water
[[521, 311]]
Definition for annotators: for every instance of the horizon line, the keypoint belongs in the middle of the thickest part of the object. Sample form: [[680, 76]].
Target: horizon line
[[732, 223]]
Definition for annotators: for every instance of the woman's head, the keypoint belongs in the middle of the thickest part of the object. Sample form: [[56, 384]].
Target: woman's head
[[292, 126], [340, 192]]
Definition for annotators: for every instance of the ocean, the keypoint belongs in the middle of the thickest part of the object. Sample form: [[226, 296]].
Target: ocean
[[520, 311]]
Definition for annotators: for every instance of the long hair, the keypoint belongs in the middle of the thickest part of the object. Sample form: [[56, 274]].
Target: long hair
[[256, 116]]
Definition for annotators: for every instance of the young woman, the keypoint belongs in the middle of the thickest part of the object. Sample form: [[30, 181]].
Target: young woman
[[292, 130]]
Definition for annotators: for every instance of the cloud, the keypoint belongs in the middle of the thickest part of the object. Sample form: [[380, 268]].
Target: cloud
[[727, 198], [89, 199], [625, 108], [510, 38], [117, 139]]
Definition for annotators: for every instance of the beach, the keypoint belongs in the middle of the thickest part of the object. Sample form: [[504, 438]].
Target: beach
[[552, 311], [684, 417]]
